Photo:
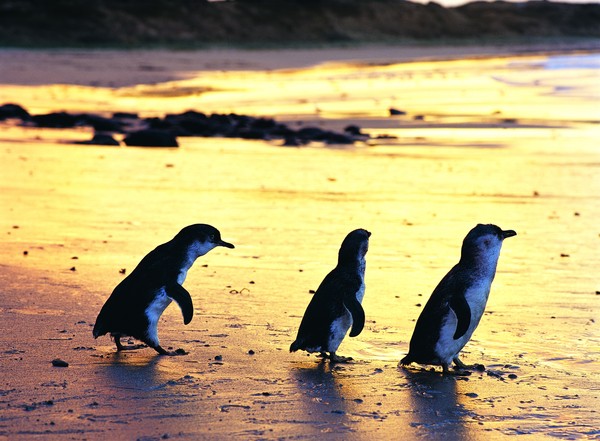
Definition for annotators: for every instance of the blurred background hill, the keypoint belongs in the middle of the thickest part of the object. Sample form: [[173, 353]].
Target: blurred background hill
[[200, 23]]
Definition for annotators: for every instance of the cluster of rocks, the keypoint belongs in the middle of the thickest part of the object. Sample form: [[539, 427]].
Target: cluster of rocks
[[163, 132]]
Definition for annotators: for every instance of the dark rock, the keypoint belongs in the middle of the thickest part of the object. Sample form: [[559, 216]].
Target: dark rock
[[291, 141], [353, 130], [158, 123], [103, 139], [396, 112], [9, 110], [281, 131], [249, 134], [337, 138], [57, 362], [125, 115], [56, 120], [151, 138], [192, 114], [100, 139], [194, 123], [311, 134], [263, 123]]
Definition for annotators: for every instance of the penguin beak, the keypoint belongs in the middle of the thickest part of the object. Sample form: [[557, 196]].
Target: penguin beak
[[508, 233], [225, 244]]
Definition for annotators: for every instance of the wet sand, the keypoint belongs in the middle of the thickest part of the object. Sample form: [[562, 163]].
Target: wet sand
[[502, 140]]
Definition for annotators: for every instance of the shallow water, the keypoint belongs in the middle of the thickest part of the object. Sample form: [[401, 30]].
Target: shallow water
[[99, 209]]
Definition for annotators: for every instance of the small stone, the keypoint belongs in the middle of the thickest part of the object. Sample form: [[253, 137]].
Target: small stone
[[512, 376], [471, 395], [57, 362], [218, 357], [250, 352], [479, 367], [396, 112]]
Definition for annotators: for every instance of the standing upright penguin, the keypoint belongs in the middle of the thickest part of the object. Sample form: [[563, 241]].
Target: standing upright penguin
[[457, 304], [136, 304], [336, 305]]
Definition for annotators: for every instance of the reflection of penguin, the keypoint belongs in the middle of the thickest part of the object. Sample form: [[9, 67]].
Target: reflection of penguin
[[457, 303], [136, 304], [336, 306]]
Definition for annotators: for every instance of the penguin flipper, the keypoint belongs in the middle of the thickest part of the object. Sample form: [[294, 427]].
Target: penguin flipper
[[461, 308], [358, 314], [183, 299]]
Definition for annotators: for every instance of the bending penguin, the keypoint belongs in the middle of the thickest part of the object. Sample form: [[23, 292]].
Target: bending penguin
[[336, 305], [456, 305], [136, 304]]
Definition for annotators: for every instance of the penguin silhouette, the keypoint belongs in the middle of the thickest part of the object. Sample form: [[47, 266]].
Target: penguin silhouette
[[336, 305], [457, 304], [136, 304]]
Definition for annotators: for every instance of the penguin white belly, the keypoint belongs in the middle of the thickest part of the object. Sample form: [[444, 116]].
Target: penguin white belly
[[447, 348], [338, 329], [340, 326], [154, 311], [360, 294]]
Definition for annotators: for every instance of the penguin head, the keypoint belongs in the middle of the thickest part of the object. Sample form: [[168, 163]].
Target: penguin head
[[483, 243], [354, 246], [201, 238]]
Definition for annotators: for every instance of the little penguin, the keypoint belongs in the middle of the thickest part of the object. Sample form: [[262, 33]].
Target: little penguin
[[457, 304], [336, 305], [136, 304]]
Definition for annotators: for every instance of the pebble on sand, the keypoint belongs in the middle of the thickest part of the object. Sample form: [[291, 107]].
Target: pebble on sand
[[57, 362]]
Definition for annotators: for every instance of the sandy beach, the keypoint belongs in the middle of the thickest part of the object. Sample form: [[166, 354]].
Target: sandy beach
[[486, 137]]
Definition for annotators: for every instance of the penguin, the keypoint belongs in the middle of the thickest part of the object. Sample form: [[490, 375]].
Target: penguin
[[336, 305], [136, 304], [456, 305]]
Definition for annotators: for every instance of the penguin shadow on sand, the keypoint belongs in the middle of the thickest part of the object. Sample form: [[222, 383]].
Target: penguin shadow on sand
[[123, 370], [322, 393], [436, 407]]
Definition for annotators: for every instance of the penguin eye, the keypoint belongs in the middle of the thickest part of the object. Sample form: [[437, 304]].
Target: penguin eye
[[211, 237]]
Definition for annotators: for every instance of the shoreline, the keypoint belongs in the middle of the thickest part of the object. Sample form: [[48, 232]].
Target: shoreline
[[108, 68]]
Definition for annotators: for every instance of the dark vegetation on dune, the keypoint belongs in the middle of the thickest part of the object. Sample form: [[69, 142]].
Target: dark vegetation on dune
[[199, 23]]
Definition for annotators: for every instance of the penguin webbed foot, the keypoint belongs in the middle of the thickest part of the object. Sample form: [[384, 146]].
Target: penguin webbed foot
[[460, 365], [174, 353], [334, 358], [120, 346]]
